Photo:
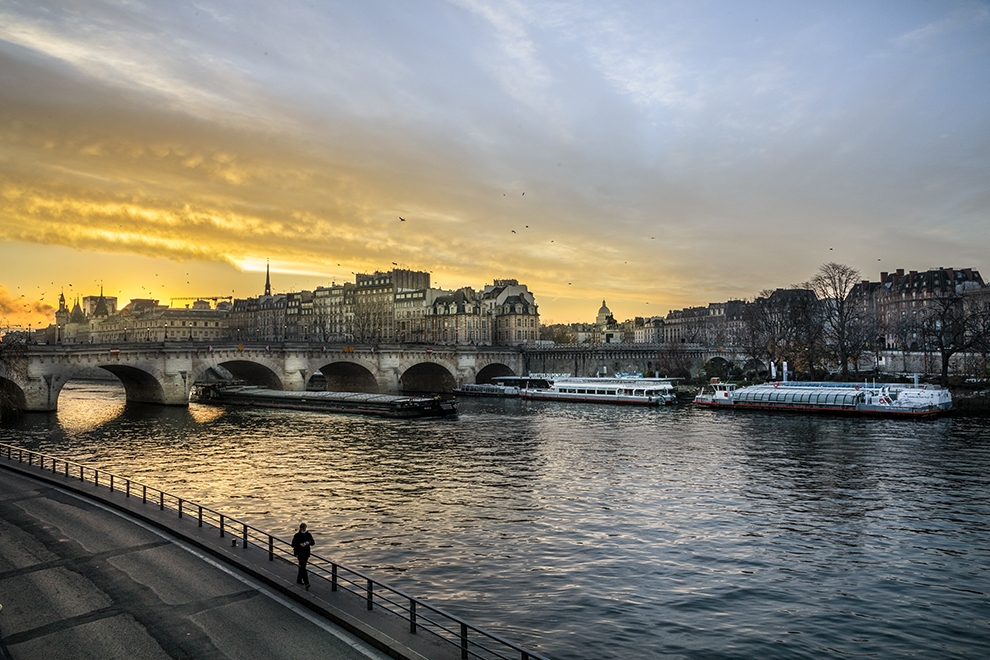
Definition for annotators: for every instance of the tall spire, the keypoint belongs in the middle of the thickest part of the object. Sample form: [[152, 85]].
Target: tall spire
[[268, 279]]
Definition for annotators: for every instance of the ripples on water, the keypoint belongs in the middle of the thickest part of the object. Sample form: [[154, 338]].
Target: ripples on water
[[601, 532]]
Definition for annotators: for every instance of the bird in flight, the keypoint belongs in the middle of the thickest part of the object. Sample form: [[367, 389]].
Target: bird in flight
[[401, 219], [513, 231]]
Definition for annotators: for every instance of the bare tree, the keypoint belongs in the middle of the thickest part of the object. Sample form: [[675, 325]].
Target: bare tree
[[784, 324], [372, 319], [832, 284], [949, 327]]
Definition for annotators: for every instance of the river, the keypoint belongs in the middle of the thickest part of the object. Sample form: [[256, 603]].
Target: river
[[590, 531]]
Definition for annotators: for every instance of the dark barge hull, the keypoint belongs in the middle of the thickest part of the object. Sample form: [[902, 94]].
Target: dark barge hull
[[354, 403]]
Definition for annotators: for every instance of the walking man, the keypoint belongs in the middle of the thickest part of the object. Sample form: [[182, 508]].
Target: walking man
[[301, 544]]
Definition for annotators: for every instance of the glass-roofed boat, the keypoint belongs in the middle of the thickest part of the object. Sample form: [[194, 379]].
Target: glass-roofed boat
[[888, 400]]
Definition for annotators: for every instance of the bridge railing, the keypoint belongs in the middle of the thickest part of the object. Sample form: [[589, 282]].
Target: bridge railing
[[421, 617]]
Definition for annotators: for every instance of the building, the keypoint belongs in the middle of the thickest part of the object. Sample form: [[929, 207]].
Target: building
[[900, 301], [513, 317], [650, 332], [457, 318]]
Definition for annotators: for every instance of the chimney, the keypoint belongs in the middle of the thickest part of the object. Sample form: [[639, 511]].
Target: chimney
[[900, 272], [883, 276]]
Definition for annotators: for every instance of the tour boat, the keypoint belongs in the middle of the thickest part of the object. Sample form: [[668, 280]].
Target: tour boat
[[360, 403], [630, 391], [888, 400], [502, 386]]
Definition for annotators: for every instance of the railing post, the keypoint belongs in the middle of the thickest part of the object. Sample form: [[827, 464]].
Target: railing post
[[81, 478], [67, 469], [464, 643], [111, 483], [412, 616], [128, 488], [53, 466], [96, 478], [271, 548], [161, 500], [200, 515], [371, 586], [333, 577], [144, 494], [221, 525], [180, 507], [20, 455], [245, 536]]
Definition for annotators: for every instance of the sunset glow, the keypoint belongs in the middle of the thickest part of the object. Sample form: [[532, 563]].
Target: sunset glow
[[657, 155]]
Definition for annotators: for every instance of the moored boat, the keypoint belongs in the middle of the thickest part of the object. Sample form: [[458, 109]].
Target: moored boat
[[886, 400], [359, 403], [628, 391], [502, 386]]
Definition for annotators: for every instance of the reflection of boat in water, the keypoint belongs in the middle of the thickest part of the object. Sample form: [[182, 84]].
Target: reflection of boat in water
[[836, 398], [360, 403], [629, 391], [502, 386]]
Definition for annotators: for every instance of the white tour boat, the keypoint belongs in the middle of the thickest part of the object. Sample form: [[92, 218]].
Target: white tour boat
[[503, 386], [630, 391]]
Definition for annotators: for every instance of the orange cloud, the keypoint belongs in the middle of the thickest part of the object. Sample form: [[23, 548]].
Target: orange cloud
[[18, 310]]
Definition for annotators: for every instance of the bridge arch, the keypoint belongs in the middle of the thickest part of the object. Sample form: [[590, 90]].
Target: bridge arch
[[12, 396], [348, 377], [427, 377], [252, 371], [492, 371], [140, 386], [718, 367]]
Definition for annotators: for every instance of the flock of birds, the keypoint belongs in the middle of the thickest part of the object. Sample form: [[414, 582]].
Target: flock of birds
[[41, 298]]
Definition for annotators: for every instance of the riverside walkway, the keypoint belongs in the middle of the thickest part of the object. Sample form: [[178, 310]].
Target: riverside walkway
[[89, 570]]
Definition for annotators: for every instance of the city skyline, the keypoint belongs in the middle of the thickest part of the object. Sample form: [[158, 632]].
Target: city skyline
[[658, 156]]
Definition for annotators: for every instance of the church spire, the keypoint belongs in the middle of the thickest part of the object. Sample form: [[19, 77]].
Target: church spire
[[268, 279]]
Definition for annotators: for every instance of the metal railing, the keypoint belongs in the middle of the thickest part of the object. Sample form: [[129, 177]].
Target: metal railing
[[421, 617]]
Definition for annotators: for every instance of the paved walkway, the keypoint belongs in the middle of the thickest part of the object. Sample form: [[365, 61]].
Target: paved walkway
[[82, 579]]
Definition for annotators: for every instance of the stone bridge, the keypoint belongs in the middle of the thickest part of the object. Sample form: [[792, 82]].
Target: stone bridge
[[164, 373]]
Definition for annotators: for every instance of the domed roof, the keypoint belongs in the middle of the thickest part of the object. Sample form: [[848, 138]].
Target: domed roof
[[604, 310]]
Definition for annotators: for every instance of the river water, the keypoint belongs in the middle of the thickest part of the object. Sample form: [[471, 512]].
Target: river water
[[590, 531]]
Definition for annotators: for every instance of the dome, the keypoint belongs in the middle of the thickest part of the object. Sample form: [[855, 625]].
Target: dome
[[604, 310]]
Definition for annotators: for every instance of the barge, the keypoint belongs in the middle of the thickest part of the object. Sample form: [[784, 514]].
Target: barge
[[883, 400], [628, 391], [357, 403]]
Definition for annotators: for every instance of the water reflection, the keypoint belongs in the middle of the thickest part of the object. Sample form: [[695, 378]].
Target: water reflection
[[598, 532]]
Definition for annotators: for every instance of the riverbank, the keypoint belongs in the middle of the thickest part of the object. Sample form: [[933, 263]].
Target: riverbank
[[80, 559], [80, 580]]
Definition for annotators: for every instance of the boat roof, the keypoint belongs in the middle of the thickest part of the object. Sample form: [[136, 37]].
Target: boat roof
[[625, 381], [364, 397]]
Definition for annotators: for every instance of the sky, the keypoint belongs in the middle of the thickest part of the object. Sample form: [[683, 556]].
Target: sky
[[656, 155]]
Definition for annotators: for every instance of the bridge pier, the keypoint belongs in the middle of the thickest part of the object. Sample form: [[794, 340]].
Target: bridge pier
[[41, 393]]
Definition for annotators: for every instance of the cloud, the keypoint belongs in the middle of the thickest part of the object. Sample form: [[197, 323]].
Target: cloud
[[21, 310]]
